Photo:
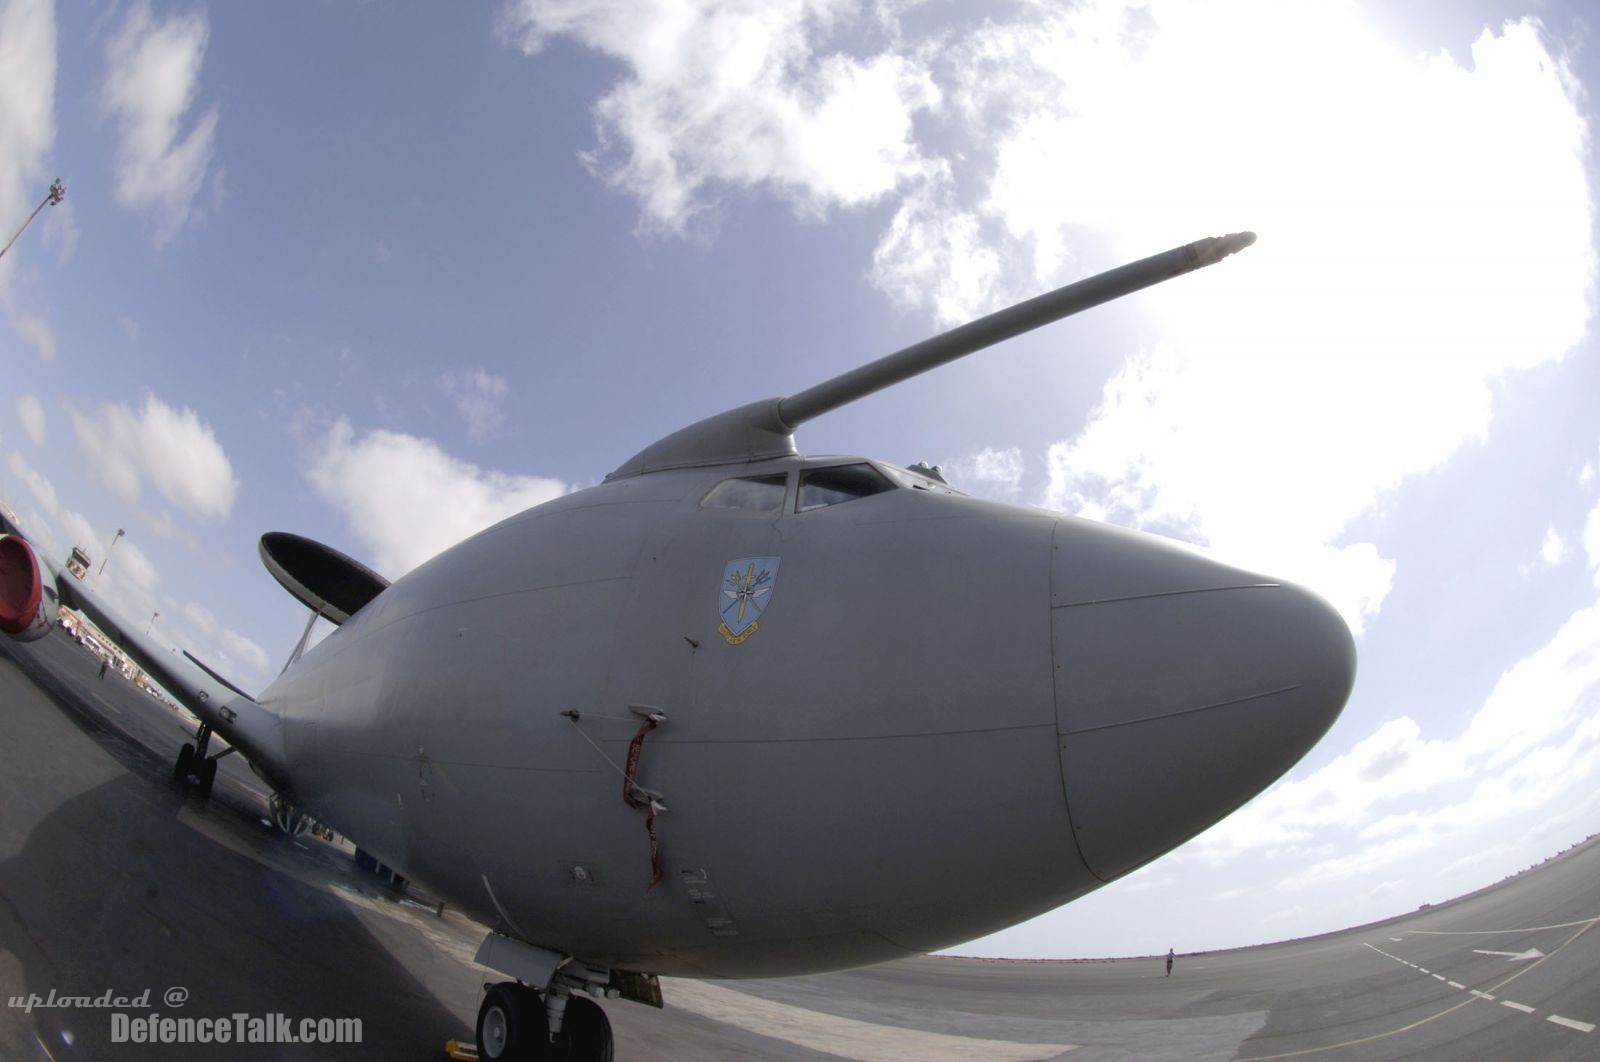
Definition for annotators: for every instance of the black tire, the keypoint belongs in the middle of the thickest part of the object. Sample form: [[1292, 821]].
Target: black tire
[[585, 1034], [207, 770], [512, 1026], [180, 772]]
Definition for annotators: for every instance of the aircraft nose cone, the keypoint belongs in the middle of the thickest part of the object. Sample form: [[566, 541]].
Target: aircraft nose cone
[[1183, 688]]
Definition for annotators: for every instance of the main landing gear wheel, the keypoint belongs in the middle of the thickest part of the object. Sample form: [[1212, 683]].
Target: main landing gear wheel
[[185, 764], [512, 1026], [196, 765], [585, 1034], [206, 770]]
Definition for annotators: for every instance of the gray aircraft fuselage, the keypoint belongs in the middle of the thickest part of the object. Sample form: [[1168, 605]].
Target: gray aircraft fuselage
[[952, 714]]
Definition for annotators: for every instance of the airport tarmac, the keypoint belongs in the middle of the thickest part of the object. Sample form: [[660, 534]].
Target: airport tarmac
[[111, 879]]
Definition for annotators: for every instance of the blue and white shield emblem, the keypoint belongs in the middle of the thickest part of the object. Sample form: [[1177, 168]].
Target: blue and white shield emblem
[[745, 593]]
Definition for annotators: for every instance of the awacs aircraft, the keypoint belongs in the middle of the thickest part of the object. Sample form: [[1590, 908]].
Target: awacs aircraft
[[735, 712]]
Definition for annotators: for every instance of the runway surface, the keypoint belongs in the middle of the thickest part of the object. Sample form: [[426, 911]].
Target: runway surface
[[111, 879]]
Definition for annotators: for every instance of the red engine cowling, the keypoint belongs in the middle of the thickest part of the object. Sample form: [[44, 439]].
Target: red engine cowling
[[27, 605]]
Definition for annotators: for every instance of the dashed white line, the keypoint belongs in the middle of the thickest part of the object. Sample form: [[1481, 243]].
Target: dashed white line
[[1557, 1019]]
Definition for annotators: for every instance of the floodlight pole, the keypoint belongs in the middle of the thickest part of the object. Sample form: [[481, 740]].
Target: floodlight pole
[[112, 546], [57, 193]]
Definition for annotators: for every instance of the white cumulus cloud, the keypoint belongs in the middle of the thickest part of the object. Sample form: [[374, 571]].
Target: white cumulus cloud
[[40, 487], [1554, 549], [30, 414], [741, 95], [1355, 346], [478, 396], [171, 449], [1279, 395], [152, 82], [990, 473], [1591, 542], [406, 499], [221, 648]]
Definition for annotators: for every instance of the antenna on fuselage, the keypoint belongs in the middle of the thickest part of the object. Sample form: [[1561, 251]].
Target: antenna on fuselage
[[763, 430]]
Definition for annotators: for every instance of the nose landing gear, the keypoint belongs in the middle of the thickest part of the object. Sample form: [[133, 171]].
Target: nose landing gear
[[518, 1024]]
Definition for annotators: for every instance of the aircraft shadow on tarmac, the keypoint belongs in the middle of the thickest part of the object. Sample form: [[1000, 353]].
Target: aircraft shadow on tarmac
[[114, 887]]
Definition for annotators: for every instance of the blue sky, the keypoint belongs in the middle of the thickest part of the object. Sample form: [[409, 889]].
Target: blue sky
[[383, 273]]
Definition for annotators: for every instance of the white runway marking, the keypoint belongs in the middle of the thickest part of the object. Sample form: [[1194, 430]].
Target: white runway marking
[[1581, 1026], [846, 1037], [1484, 932], [1570, 1023]]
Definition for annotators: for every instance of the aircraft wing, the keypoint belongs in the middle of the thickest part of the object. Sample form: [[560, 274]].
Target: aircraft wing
[[231, 713]]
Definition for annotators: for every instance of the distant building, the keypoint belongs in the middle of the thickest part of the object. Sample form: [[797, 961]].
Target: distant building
[[78, 562]]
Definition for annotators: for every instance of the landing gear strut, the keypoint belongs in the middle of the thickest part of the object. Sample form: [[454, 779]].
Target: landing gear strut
[[515, 1024], [194, 766]]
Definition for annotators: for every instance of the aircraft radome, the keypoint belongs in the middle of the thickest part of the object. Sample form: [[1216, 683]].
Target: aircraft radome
[[736, 712]]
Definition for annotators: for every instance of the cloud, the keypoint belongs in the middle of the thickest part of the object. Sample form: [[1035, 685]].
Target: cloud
[[42, 533], [988, 473], [40, 487], [152, 76], [171, 449], [82, 534], [478, 396], [222, 648], [1354, 348], [755, 96], [27, 119], [406, 499], [1591, 542], [936, 255], [30, 414], [1553, 551], [1277, 397], [37, 331]]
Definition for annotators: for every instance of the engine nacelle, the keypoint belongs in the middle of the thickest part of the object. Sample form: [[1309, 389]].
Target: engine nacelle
[[27, 596]]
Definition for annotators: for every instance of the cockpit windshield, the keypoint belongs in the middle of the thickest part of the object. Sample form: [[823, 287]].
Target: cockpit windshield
[[833, 484], [752, 494]]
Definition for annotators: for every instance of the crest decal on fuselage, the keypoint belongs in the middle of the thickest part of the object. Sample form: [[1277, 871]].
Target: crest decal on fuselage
[[744, 594]]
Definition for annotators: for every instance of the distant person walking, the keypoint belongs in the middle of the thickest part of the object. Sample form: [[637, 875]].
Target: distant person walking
[[104, 663], [1169, 962]]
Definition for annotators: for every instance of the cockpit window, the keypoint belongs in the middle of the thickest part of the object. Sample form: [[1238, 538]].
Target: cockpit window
[[756, 494], [839, 483]]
